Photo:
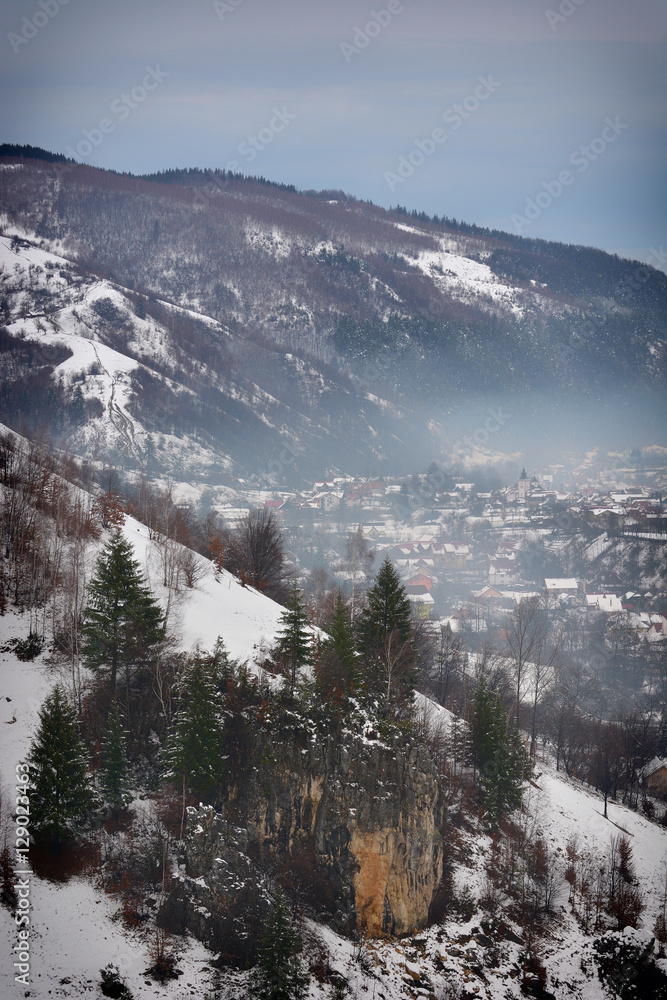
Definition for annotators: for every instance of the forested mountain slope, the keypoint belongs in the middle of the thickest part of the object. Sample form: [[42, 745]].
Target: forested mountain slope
[[264, 317]]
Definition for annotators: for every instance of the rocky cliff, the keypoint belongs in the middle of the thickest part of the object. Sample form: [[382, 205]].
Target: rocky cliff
[[356, 826]]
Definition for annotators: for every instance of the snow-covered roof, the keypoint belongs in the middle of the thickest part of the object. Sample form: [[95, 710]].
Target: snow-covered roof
[[653, 765], [421, 598], [557, 584], [604, 602]]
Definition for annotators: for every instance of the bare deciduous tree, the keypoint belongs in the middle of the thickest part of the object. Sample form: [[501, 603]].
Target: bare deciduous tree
[[255, 553]]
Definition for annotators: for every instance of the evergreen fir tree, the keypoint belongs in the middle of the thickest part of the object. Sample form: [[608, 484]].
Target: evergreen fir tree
[[76, 411], [499, 754], [8, 877], [279, 974], [194, 748], [387, 610], [115, 778], [339, 668], [384, 634], [122, 621], [294, 646], [62, 797]]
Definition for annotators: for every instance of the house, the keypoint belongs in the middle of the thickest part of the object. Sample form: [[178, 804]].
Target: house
[[232, 516], [420, 579], [421, 601], [373, 487], [465, 620], [501, 571], [561, 585], [329, 500], [604, 602], [489, 595], [654, 778], [373, 529], [517, 596], [454, 555]]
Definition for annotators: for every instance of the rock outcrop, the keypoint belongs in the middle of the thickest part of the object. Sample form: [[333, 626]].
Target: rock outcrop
[[358, 822]]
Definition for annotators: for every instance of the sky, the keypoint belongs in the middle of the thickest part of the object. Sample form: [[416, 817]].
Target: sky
[[539, 117]]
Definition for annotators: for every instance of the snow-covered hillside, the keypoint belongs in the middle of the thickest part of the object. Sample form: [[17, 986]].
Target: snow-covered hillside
[[74, 933], [218, 607], [54, 304], [165, 389]]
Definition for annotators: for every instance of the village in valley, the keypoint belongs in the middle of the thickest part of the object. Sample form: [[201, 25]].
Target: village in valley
[[467, 556]]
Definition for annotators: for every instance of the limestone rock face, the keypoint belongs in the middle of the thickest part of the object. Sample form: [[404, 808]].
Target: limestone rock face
[[362, 820]]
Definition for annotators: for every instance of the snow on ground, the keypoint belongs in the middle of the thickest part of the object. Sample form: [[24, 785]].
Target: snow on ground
[[566, 808], [273, 242], [74, 934], [27, 273], [219, 606], [467, 279]]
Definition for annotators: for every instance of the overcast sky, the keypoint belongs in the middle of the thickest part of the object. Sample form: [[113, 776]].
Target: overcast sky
[[333, 93]]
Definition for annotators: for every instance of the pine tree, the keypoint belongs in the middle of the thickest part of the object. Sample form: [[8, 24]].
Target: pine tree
[[194, 748], [387, 610], [122, 621], [498, 753], [76, 411], [279, 974], [62, 797], [8, 877], [294, 647], [338, 674], [384, 632], [115, 778]]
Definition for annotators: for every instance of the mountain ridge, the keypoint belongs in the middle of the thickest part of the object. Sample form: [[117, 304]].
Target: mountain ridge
[[310, 323]]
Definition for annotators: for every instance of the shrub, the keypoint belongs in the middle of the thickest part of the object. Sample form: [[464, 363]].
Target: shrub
[[164, 958], [627, 968], [112, 985], [28, 649]]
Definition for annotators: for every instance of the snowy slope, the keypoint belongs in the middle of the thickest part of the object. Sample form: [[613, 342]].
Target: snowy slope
[[74, 934], [179, 391], [219, 606], [54, 304]]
